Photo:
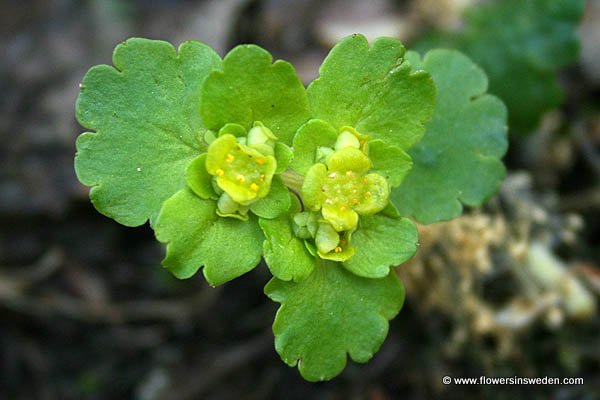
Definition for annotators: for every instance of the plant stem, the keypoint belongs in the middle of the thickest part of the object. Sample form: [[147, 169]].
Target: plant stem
[[293, 180]]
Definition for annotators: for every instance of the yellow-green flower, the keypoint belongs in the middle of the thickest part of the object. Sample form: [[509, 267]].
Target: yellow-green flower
[[333, 245], [343, 189], [242, 172]]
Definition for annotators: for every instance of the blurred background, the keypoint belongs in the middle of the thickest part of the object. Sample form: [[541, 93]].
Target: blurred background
[[87, 312]]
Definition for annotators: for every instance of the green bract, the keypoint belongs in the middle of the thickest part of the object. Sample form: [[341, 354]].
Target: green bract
[[235, 160]]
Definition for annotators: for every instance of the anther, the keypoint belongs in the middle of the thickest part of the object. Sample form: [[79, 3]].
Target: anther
[[343, 208], [262, 178], [241, 178], [219, 172], [230, 158], [254, 187], [338, 249], [348, 173], [355, 201], [367, 195], [260, 161]]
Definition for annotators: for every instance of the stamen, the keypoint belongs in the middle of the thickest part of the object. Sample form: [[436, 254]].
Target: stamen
[[262, 178], [367, 195], [219, 172], [241, 178], [338, 249], [254, 187], [348, 173], [230, 158], [365, 180], [343, 208], [355, 201], [260, 161]]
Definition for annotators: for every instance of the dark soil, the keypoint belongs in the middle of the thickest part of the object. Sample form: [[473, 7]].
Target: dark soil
[[88, 312]]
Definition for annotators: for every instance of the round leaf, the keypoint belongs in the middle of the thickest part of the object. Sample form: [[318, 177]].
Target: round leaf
[[275, 203], [331, 314], [382, 242], [458, 160], [250, 88], [285, 254], [144, 112], [311, 136], [198, 178], [195, 236], [373, 90]]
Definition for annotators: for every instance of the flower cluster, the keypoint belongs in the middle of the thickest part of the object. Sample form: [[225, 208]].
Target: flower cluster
[[338, 190], [242, 168], [234, 160]]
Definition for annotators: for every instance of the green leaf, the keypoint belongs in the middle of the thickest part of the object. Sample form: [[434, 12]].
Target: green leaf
[[311, 136], [389, 161], [198, 178], [276, 203], [330, 314], [196, 236], [249, 89], [233, 129], [285, 254], [521, 45], [144, 112], [458, 160], [373, 90], [284, 156], [312, 192], [381, 242]]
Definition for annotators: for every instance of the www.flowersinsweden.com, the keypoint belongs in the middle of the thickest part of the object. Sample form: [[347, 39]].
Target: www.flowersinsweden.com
[[514, 380]]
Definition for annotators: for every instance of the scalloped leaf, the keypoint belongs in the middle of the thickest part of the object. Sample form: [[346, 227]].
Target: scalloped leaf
[[331, 314], [382, 242], [195, 236], [284, 156], [389, 161], [458, 160], [198, 179], [285, 254], [312, 135], [373, 90], [144, 112], [275, 203], [250, 88]]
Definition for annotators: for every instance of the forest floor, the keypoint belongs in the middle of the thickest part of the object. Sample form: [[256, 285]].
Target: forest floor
[[88, 312]]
